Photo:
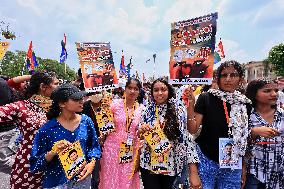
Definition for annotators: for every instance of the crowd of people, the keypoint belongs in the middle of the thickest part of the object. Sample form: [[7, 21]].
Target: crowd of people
[[227, 135]]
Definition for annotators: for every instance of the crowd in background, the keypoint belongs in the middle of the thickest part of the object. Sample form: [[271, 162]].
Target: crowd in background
[[37, 111]]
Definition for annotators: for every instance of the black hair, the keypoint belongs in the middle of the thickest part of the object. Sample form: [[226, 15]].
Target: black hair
[[104, 115], [154, 133], [38, 78], [71, 151], [55, 109], [79, 73], [229, 144], [237, 66], [205, 88], [139, 85], [254, 86], [171, 128]]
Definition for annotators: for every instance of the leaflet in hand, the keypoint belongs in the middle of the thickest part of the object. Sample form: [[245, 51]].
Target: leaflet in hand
[[72, 159], [157, 140], [105, 121]]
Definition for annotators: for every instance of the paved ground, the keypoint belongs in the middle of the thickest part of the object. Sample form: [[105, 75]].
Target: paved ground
[[4, 181]]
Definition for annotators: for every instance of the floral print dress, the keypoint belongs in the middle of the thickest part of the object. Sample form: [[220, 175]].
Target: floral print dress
[[29, 117], [184, 148]]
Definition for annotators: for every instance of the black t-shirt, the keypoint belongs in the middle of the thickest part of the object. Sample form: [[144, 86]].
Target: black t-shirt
[[88, 110], [214, 124]]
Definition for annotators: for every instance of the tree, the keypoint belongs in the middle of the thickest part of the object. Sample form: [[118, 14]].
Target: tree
[[276, 57], [266, 67], [13, 64]]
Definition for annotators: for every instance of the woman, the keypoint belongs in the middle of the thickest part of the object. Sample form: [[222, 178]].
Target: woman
[[64, 128], [90, 108], [29, 115], [223, 114], [172, 119], [265, 168], [115, 172]]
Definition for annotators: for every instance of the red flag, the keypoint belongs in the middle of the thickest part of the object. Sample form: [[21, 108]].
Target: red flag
[[221, 49], [122, 65], [30, 57]]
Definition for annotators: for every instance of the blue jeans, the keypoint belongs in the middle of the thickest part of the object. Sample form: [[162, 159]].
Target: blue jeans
[[253, 183], [212, 177]]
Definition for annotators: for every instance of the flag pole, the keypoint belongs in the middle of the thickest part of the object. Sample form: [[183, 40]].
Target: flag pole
[[154, 70], [65, 67]]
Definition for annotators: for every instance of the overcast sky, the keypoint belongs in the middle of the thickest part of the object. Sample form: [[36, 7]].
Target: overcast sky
[[248, 28]]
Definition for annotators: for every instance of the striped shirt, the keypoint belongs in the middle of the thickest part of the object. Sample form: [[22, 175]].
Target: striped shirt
[[267, 160]]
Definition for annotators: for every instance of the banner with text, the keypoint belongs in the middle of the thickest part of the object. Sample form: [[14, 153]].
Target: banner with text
[[3, 48], [97, 66], [192, 50]]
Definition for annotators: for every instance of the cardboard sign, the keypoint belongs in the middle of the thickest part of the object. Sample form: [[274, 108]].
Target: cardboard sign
[[192, 50], [97, 66], [72, 159], [157, 140], [3, 48]]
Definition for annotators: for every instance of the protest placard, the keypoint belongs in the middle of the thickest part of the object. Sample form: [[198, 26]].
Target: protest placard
[[72, 159], [97, 66], [3, 48], [192, 50]]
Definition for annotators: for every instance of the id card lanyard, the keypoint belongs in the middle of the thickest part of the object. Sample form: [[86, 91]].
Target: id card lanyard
[[158, 117], [227, 116], [129, 119]]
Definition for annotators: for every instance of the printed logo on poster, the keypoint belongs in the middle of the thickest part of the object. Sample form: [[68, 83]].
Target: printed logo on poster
[[97, 66], [192, 50], [72, 159]]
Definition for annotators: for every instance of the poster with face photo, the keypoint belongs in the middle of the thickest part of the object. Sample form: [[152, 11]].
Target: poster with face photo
[[97, 66], [192, 50], [157, 140], [225, 154], [105, 121], [159, 163], [72, 159]]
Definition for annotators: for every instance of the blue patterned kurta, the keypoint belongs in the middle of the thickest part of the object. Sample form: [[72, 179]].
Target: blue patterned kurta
[[52, 132]]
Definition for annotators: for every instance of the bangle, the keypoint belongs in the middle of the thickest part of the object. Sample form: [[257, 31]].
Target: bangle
[[93, 160], [191, 119]]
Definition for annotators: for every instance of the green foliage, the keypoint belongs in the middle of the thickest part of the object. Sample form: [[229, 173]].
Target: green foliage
[[266, 64], [276, 57], [13, 63]]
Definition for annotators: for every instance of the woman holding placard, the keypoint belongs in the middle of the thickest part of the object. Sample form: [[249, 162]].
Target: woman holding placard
[[223, 114], [168, 148], [66, 147], [265, 168]]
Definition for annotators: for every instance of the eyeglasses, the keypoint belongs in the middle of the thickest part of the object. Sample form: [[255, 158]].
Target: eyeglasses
[[233, 75]]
